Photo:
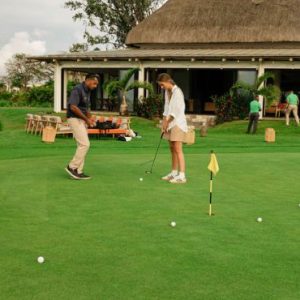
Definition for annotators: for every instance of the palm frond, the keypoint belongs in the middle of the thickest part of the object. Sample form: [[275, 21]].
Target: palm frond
[[260, 80], [241, 86], [138, 84], [112, 88], [270, 93], [125, 80]]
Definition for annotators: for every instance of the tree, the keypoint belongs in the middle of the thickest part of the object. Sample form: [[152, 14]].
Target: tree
[[109, 21], [79, 47], [123, 86], [21, 71], [2, 85]]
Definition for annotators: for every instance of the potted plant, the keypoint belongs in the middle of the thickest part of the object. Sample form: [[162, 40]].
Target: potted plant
[[123, 86]]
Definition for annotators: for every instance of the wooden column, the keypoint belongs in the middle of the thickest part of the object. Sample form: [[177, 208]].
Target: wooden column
[[57, 88], [142, 79]]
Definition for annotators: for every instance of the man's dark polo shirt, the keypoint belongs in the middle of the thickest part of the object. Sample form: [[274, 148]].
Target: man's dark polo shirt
[[80, 97]]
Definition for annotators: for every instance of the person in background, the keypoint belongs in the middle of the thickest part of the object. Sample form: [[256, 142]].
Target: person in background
[[293, 102], [255, 108], [174, 127], [79, 118]]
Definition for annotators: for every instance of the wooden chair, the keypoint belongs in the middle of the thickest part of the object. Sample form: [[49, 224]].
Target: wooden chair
[[272, 108], [61, 128], [29, 122], [38, 125], [46, 120], [281, 107], [209, 107]]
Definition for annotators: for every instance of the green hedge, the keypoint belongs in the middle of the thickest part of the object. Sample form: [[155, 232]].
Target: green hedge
[[42, 96]]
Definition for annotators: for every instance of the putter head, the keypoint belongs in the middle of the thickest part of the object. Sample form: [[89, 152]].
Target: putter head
[[148, 172]]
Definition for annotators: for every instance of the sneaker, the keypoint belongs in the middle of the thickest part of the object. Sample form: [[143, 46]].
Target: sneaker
[[168, 177], [84, 176], [178, 180], [73, 173]]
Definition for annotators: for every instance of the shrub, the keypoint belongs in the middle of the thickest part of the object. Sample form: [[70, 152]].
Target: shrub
[[232, 105], [4, 95], [5, 103], [19, 99], [70, 86], [225, 109], [41, 95], [150, 107]]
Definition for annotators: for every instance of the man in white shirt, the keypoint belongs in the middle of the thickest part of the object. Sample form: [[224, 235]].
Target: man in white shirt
[[174, 127]]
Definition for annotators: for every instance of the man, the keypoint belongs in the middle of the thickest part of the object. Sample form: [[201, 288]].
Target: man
[[255, 108], [293, 102], [79, 118]]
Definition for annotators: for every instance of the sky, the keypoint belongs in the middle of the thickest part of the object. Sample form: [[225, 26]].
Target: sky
[[36, 27]]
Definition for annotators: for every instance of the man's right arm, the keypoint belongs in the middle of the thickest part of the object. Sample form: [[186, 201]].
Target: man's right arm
[[79, 114], [74, 102]]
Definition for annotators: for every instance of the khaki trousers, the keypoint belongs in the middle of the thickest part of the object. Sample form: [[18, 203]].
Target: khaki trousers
[[294, 109], [83, 144]]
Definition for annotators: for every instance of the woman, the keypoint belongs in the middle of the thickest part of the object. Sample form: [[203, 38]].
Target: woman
[[174, 127]]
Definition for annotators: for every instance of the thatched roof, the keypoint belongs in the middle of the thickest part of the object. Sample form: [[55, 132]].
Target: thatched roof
[[187, 22]]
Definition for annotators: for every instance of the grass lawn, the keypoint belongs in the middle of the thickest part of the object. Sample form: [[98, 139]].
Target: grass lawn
[[109, 238]]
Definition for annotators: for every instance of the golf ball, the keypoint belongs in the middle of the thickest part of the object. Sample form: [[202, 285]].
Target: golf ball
[[173, 224], [141, 179], [259, 220], [41, 259]]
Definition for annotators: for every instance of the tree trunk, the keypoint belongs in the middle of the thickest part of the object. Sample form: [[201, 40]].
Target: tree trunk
[[124, 106]]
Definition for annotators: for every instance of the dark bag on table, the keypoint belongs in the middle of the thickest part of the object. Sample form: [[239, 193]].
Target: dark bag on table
[[105, 125]]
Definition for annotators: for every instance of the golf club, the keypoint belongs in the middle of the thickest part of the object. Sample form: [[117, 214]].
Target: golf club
[[150, 171]]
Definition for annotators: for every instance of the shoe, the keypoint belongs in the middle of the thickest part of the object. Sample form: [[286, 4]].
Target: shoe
[[84, 176], [178, 180], [168, 177], [73, 173]]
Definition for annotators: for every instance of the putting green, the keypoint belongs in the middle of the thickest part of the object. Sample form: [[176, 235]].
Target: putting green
[[110, 237]]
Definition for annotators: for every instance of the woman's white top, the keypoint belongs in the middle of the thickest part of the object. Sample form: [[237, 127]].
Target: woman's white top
[[175, 107]]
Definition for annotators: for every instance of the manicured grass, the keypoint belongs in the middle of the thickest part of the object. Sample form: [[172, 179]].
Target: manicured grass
[[109, 238]]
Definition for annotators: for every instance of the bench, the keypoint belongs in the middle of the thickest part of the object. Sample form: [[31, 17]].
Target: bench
[[122, 123]]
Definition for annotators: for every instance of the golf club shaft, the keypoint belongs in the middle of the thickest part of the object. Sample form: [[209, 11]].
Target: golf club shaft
[[161, 136]]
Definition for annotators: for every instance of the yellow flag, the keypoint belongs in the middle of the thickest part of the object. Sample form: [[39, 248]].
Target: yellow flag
[[213, 165]]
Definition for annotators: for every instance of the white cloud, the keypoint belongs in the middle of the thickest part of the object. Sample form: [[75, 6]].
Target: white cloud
[[39, 33], [21, 42]]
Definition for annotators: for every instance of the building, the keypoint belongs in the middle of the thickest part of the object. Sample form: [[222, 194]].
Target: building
[[206, 45]]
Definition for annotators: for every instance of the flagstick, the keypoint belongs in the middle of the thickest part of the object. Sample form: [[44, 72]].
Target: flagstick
[[210, 194]]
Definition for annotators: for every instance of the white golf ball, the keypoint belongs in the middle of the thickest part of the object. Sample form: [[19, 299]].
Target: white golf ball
[[41, 259], [259, 220], [173, 224], [141, 179]]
